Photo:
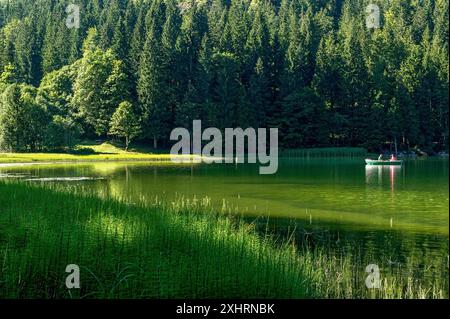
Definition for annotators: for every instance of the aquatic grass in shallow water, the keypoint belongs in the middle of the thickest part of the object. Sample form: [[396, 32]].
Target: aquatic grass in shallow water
[[178, 249], [63, 179], [325, 152]]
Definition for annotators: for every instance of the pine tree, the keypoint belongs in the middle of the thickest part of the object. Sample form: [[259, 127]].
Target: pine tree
[[151, 86]]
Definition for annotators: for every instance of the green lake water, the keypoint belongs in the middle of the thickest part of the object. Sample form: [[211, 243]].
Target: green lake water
[[391, 213]]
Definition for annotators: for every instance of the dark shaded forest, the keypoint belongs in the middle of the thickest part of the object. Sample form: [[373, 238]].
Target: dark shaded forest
[[309, 67]]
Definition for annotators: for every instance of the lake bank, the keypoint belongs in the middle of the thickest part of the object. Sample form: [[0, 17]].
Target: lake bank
[[170, 250], [23, 158], [87, 152], [106, 152]]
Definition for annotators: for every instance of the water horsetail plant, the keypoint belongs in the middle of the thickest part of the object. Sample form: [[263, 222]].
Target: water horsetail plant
[[171, 250]]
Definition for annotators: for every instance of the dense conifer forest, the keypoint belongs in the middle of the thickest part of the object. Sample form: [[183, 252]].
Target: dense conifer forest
[[312, 68]]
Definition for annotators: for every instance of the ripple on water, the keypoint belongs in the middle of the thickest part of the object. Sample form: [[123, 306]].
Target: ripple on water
[[64, 179], [15, 175]]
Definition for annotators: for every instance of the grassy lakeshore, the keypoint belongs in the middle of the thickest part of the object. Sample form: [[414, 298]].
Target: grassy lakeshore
[[180, 249], [97, 152], [87, 152]]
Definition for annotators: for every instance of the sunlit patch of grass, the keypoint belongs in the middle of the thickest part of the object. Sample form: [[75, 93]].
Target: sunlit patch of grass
[[179, 249], [90, 151], [111, 226], [107, 148], [56, 157]]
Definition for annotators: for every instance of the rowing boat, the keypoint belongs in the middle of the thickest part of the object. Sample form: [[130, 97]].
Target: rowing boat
[[382, 162]]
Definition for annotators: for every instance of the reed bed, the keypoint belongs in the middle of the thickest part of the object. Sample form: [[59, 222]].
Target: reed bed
[[178, 249], [325, 152]]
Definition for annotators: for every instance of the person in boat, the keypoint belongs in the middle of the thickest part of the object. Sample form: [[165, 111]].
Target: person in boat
[[393, 158], [380, 158]]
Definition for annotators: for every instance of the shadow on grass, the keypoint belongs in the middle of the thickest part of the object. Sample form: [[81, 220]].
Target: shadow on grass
[[163, 250], [133, 252]]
